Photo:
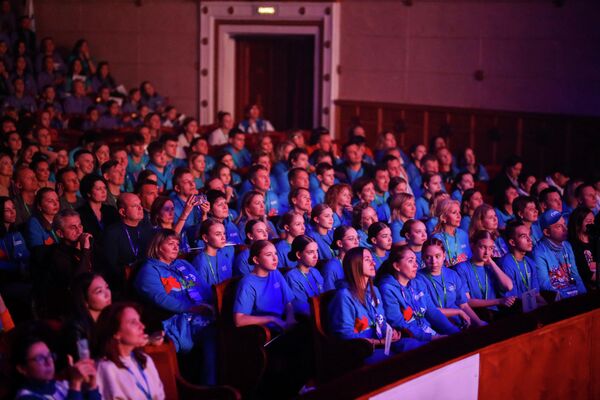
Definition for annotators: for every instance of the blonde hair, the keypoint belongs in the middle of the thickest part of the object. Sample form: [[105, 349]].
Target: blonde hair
[[441, 210], [397, 203], [477, 220]]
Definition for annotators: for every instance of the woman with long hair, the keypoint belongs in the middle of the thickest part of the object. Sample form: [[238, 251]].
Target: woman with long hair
[[485, 218], [345, 238], [322, 230], [304, 280], [447, 230]]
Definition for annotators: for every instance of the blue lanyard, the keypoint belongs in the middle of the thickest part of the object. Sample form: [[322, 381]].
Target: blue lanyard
[[134, 249], [212, 271], [145, 390], [410, 300]]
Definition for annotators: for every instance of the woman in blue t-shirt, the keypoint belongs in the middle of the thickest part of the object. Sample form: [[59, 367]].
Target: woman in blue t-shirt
[[255, 230], [292, 226], [471, 199], [304, 280], [363, 216], [403, 208], [344, 239], [322, 221], [456, 241], [485, 218], [380, 241]]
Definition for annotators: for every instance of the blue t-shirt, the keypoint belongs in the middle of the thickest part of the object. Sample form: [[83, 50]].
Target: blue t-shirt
[[304, 286], [344, 219], [503, 218], [522, 273], [447, 290], [422, 205], [324, 243], [363, 238], [283, 248], [213, 270], [480, 281], [317, 196], [457, 246], [263, 296], [396, 228], [465, 221], [556, 268], [378, 260], [241, 266], [332, 272]]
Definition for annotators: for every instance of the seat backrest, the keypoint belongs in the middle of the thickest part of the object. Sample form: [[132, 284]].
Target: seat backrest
[[165, 359], [224, 293], [319, 311]]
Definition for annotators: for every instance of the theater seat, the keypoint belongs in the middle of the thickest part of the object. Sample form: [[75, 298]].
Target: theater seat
[[176, 387], [333, 356], [242, 358]]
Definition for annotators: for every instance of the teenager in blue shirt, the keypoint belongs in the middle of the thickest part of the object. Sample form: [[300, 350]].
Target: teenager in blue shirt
[[407, 302], [184, 187], [484, 280], [339, 198], [468, 163], [517, 265], [436, 210], [357, 311], [173, 285], [219, 210], [292, 226], [526, 211], [456, 241], [197, 165], [214, 263], [258, 176], [363, 216], [300, 203], [304, 280], [415, 234], [326, 177], [445, 286], [253, 208], [345, 238], [380, 241], [236, 147], [364, 190], [504, 205], [137, 157], [471, 199], [255, 230], [485, 218], [158, 165], [13, 250], [39, 230], [403, 208], [322, 230], [554, 259], [382, 195], [463, 181], [298, 178], [432, 183]]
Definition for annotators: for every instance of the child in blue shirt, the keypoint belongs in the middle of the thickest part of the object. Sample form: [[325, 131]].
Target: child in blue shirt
[[432, 183], [236, 147], [255, 230], [219, 210], [445, 286], [463, 181], [357, 311], [214, 263], [526, 211], [407, 302], [326, 178], [345, 238], [292, 225], [471, 199], [363, 216], [554, 259], [322, 232], [380, 241], [253, 208], [403, 208], [159, 166], [485, 218], [415, 233], [456, 241], [483, 278], [304, 280], [504, 206], [339, 198]]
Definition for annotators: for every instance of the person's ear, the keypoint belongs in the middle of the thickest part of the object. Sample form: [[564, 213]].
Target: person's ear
[[373, 240], [21, 370], [122, 213], [204, 238], [60, 233], [512, 242]]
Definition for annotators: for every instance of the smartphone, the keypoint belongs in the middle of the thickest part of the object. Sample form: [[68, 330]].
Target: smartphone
[[201, 198], [83, 349]]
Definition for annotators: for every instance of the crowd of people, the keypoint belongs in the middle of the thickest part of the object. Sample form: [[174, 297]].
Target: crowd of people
[[94, 233]]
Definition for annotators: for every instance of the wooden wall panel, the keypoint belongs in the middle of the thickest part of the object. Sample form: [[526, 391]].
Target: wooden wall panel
[[545, 141]]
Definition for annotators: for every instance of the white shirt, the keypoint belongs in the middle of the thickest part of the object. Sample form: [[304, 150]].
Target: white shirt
[[217, 137], [122, 384]]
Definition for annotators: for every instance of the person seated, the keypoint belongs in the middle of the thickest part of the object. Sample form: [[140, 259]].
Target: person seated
[[326, 177], [467, 162], [550, 199], [173, 287], [526, 211], [49, 75], [84, 163], [219, 210], [304, 279], [511, 169], [236, 147], [184, 192], [363, 216], [255, 230], [38, 231], [558, 179], [151, 98], [504, 205], [471, 199], [322, 230], [34, 362], [297, 178], [485, 218], [406, 301], [21, 71], [432, 184], [291, 226], [261, 182], [415, 235], [357, 311], [446, 163], [114, 175], [483, 278], [463, 181], [214, 263], [124, 243], [445, 286], [339, 199], [253, 208], [364, 191], [586, 196], [111, 117], [253, 123], [159, 165], [353, 166], [20, 99], [41, 168], [556, 267], [220, 135], [429, 165], [96, 216], [170, 142], [124, 370], [345, 238], [48, 50], [403, 208], [78, 103], [517, 265], [103, 78], [90, 295], [447, 230]]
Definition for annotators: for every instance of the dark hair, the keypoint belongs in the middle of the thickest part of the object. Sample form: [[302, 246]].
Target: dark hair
[[316, 211], [395, 256], [353, 267], [322, 168], [246, 200], [79, 295], [544, 194], [134, 138], [395, 181], [141, 183], [511, 161], [359, 184], [235, 131], [178, 173], [155, 147], [520, 203], [205, 227], [249, 226], [157, 206], [256, 248], [481, 235], [357, 214], [87, 183], [108, 324], [108, 165], [575, 221], [295, 192], [466, 198], [213, 195], [298, 245], [433, 242], [295, 154], [39, 196], [511, 228], [3, 230], [294, 172], [408, 226], [254, 170], [338, 234], [287, 219], [374, 230], [145, 175]]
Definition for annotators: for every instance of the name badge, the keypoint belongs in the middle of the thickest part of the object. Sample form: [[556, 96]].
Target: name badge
[[388, 339], [529, 300]]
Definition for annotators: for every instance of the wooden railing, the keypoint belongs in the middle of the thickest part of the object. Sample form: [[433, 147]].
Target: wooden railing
[[544, 140]]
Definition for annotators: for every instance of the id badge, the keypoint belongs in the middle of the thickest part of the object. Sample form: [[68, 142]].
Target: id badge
[[388, 339], [529, 300]]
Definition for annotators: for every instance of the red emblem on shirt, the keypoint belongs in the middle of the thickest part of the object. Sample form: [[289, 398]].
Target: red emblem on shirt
[[408, 313], [3, 255], [170, 283], [49, 241], [360, 324]]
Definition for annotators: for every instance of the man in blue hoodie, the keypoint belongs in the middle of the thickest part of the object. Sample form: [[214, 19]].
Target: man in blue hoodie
[[554, 259]]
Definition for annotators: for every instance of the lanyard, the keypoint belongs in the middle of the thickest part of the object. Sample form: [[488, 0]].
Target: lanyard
[[212, 271], [328, 245], [378, 319], [134, 249], [451, 260], [525, 278], [315, 289], [481, 289], [146, 389], [430, 277], [410, 301]]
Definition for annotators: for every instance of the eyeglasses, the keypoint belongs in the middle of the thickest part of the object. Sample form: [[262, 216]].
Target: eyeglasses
[[43, 358]]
